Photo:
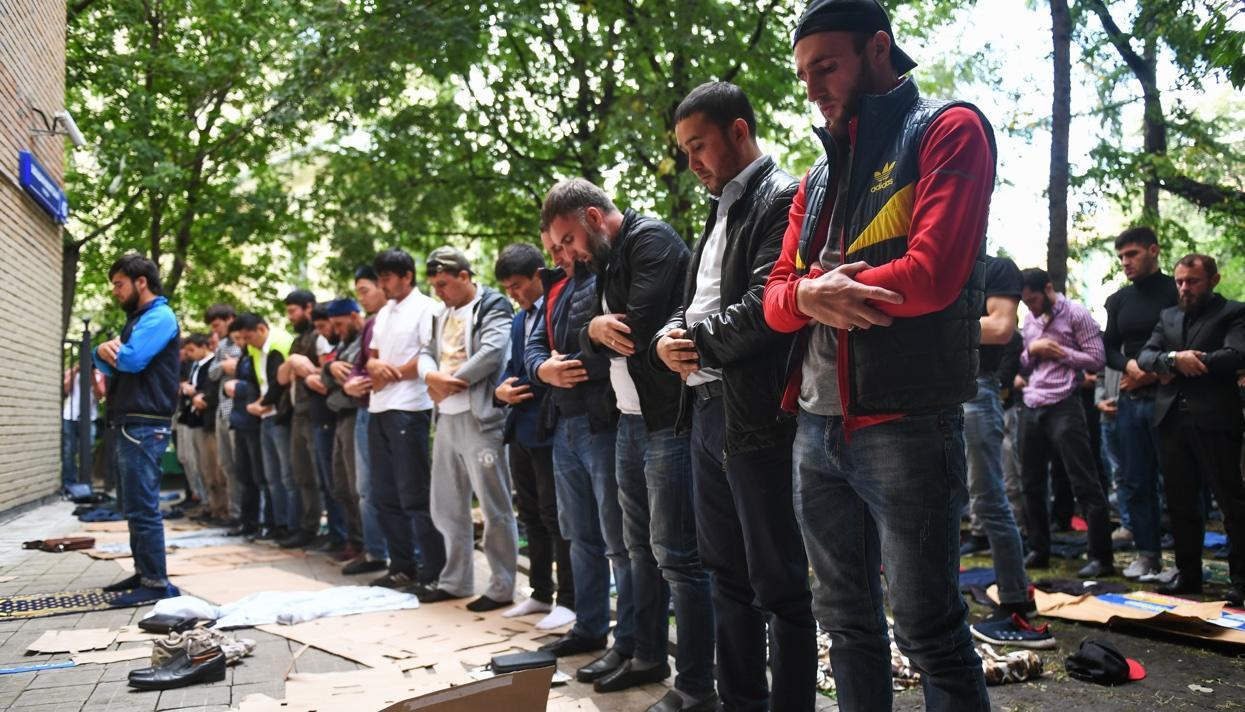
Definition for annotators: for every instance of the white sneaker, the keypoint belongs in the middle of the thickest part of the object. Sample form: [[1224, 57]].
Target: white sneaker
[[560, 616], [1143, 565], [527, 608]]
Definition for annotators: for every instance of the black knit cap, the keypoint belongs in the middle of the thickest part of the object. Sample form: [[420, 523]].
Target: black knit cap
[[851, 16]]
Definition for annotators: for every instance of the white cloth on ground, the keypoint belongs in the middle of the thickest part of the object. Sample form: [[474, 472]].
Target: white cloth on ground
[[289, 607]]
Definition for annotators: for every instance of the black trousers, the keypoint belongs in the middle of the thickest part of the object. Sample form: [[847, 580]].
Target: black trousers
[[750, 543], [249, 464], [1193, 457], [401, 478], [532, 472], [1059, 432]]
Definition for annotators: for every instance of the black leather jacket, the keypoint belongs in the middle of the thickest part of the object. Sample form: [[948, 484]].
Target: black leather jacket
[[644, 280], [751, 355]]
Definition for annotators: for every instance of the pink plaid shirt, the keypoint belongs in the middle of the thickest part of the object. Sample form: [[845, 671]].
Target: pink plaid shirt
[[1072, 327]]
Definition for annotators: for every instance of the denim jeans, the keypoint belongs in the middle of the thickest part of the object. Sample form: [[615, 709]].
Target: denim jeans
[[590, 517], [891, 497], [983, 433], [750, 543], [654, 472], [286, 505], [1139, 470], [323, 435], [139, 448], [69, 451], [402, 482], [369, 516], [1111, 458]]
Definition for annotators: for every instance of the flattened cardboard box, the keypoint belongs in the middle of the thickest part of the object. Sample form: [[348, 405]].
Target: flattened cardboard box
[[526, 691]]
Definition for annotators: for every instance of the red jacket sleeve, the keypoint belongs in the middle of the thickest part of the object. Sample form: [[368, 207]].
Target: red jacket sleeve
[[781, 312], [952, 205]]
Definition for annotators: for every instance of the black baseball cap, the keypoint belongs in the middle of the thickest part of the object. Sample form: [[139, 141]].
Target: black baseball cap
[[851, 16], [1101, 662]]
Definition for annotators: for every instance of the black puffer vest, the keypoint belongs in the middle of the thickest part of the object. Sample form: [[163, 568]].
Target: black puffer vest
[[916, 364]]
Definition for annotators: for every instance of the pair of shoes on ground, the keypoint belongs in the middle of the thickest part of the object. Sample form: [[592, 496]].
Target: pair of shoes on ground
[[137, 594], [613, 672], [1094, 569], [197, 641], [181, 670]]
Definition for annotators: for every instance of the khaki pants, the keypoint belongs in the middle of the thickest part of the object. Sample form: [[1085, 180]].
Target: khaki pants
[[215, 493]]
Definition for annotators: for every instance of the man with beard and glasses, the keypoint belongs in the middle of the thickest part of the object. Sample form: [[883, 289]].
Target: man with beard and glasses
[[1062, 341], [882, 274], [142, 370], [1132, 313], [732, 364], [304, 503], [1196, 349], [640, 264]]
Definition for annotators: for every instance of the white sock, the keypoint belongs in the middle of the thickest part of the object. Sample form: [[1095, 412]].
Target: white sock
[[527, 608], [559, 617]]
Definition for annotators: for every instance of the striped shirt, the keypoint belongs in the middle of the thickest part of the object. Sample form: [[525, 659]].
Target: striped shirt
[[1072, 327], [225, 350]]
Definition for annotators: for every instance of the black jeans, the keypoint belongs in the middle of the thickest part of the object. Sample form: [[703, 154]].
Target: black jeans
[[751, 545], [1193, 457], [401, 473], [249, 463], [532, 472], [1059, 431]]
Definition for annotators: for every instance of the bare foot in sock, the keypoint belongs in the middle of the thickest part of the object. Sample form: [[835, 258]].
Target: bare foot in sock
[[527, 608], [557, 618]]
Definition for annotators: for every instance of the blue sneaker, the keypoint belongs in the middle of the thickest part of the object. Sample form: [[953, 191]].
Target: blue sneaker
[[1014, 630], [145, 594]]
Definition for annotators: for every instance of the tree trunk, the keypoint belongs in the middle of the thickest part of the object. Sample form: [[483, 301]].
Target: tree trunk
[[1154, 132], [1061, 120]]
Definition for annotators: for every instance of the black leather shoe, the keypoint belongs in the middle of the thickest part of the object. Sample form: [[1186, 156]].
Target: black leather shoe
[[1096, 569], [627, 677], [181, 670], [298, 539], [1236, 595], [364, 565], [262, 534], [437, 595], [1037, 561], [602, 666], [125, 584], [1180, 586], [571, 644], [246, 530], [673, 702]]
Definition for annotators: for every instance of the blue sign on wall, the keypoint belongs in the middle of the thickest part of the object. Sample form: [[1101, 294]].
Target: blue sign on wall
[[40, 185]]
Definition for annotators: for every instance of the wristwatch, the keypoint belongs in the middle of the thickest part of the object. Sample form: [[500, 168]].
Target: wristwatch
[[1170, 359]]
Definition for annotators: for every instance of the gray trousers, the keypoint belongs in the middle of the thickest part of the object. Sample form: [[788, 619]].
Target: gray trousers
[[345, 478], [225, 461], [186, 456], [466, 459]]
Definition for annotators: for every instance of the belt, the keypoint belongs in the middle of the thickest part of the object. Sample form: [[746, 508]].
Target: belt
[[708, 390]]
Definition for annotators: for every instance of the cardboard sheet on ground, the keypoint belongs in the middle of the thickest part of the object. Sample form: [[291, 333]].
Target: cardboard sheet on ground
[[526, 691], [222, 588], [1208, 621], [104, 657], [357, 689], [72, 641]]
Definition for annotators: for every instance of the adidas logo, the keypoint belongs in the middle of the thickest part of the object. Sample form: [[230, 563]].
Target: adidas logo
[[883, 177]]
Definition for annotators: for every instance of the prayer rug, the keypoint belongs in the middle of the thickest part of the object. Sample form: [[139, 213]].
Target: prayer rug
[[38, 605]]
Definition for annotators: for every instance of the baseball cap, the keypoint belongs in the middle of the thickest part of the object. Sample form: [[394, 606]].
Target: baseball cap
[[446, 259], [851, 16], [342, 307], [1101, 662]]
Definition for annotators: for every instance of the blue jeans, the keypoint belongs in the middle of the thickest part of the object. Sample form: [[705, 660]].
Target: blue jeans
[[1111, 458], [138, 452], [983, 433], [891, 496], [1139, 471], [654, 473], [69, 451], [322, 435], [590, 518], [286, 504], [373, 535]]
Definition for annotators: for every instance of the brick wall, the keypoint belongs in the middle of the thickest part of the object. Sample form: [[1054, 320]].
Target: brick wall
[[32, 71]]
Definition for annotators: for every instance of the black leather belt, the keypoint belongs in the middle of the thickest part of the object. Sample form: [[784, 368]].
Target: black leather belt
[[708, 390]]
